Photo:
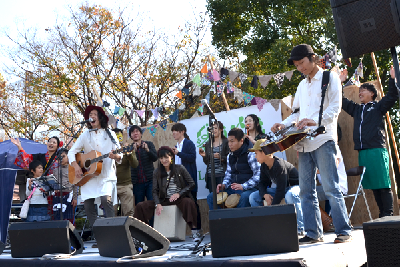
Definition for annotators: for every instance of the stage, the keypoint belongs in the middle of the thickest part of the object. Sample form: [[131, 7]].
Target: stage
[[325, 254]]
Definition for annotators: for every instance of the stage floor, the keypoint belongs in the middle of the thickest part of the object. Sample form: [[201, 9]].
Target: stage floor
[[325, 254]]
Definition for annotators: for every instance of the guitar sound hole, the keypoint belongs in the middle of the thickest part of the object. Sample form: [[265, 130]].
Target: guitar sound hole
[[87, 164]]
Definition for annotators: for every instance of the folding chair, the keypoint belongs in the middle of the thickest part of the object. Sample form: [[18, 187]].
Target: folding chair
[[357, 171]]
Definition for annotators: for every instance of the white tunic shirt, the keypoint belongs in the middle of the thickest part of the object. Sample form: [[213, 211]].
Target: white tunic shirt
[[308, 99], [103, 184], [179, 146]]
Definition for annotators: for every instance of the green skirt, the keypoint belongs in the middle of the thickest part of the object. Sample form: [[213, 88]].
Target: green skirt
[[376, 161]]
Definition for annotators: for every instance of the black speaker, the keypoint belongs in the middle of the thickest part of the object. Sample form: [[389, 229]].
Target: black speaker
[[382, 241], [365, 26], [2, 246], [124, 236], [34, 239], [253, 231]]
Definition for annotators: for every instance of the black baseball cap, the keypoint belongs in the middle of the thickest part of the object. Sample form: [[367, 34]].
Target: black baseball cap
[[299, 52]]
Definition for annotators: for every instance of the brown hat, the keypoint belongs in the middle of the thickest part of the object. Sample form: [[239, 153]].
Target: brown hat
[[299, 52], [90, 108], [232, 201], [164, 148]]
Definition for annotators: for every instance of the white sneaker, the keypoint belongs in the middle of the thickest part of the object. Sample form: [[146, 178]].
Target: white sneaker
[[196, 235]]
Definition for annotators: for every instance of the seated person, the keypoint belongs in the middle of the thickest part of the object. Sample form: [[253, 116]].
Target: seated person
[[278, 179], [171, 186], [38, 206], [243, 171]]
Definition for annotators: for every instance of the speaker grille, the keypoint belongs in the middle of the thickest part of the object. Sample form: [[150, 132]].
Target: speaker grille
[[366, 26]]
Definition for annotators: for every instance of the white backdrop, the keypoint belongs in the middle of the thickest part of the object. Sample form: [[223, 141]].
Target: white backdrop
[[197, 131]]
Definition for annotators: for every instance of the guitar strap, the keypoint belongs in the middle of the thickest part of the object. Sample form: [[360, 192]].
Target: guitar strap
[[324, 86], [111, 137]]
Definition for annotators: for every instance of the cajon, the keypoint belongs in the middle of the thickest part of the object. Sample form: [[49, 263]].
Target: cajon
[[171, 224]]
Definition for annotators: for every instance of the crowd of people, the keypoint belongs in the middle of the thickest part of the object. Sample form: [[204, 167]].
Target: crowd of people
[[242, 170]]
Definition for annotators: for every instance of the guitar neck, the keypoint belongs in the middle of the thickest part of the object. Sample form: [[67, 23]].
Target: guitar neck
[[123, 149]]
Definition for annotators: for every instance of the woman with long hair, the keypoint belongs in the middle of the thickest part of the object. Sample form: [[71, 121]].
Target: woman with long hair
[[253, 128], [220, 152], [171, 186]]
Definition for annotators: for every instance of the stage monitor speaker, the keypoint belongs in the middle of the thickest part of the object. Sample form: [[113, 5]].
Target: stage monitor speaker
[[122, 236], [253, 231], [365, 26], [382, 241], [2, 246], [34, 239]]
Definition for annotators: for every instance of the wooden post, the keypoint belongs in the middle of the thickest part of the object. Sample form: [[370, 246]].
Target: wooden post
[[223, 94], [389, 125]]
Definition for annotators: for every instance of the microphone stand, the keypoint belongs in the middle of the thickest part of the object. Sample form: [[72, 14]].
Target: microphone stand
[[211, 121]]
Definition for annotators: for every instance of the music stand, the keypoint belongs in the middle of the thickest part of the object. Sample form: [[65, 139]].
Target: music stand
[[48, 183]]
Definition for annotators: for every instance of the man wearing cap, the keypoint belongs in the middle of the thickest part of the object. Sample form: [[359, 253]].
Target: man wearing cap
[[98, 137], [370, 141], [318, 152], [278, 179]]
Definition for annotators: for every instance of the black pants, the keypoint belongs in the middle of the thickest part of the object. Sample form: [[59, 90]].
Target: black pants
[[384, 199]]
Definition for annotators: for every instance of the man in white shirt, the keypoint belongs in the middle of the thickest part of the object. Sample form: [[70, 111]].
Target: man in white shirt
[[98, 138], [320, 151]]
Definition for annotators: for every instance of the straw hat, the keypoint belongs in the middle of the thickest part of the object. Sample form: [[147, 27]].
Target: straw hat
[[232, 201], [221, 197]]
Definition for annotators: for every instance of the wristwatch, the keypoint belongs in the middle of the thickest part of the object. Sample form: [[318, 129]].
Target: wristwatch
[[156, 205]]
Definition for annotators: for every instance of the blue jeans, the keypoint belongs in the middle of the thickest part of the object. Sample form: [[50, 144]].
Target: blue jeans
[[243, 201], [143, 190], [324, 159], [292, 196]]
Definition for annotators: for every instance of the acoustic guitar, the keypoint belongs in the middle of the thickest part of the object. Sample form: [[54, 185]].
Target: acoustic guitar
[[287, 137], [91, 164]]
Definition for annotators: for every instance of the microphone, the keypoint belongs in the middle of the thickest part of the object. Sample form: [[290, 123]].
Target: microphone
[[86, 121], [204, 102]]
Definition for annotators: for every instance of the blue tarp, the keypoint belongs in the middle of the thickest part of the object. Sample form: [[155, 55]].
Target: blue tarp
[[8, 172]]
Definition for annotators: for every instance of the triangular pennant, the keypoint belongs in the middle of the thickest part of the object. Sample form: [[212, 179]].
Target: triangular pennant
[[359, 70], [195, 115], [264, 80], [253, 102], [155, 113], [288, 101], [254, 82], [105, 104], [204, 69], [216, 76], [201, 109], [348, 62], [333, 55], [152, 130], [174, 116], [275, 103], [185, 92], [260, 102], [121, 111], [238, 95], [233, 75], [196, 90], [131, 115], [279, 79], [208, 97], [224, 73], [179, 95], [116, 109], [163, 124], [120, 125], [143, 130], [140, 113], [212, 89], [197, 79], [220, 88], [182, 107], [111, 120], [229, 88], [247, 98], [242, 77], [289, 74], [205, 81], [210, 76]]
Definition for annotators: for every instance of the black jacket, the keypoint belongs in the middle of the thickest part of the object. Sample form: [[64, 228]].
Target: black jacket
[[369, 127], [282, 173], [241, 171], [146, 159], [183, 181]]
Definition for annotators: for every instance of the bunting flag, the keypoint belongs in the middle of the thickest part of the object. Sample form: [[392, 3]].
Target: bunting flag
[[161, 110], [275, 103], [185, 92], [208, 97], [220, 89], [152, 130], [233, 75], [195, 115], [327, 62], [212, 89], [121, 111], [238, 95], [229, 87], [131, 115], [155, 113], [224, 73], [163, 124], [254, 82], [205, 81], [111, 120], [333, 55], [204, 68], [260, 102], [210, 76], [201, 109], [120, 125], [247, 98], [288, 101], [116, 109], [197, 79], [264, 80], [182, 107], [143, 130], [179, 95], [359, 70], [279, 79], [242, 77], [140, 113], [216, 76], [174, 116], [196, 90], [105, 104], [289, 74]]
